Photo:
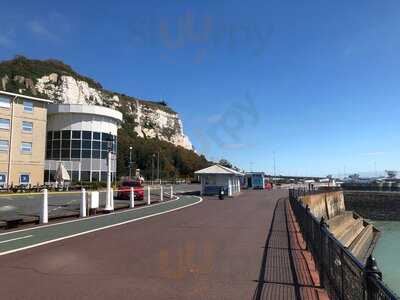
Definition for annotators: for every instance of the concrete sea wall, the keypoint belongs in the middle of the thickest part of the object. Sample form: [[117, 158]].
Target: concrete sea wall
[[374, 205], [327, 205]]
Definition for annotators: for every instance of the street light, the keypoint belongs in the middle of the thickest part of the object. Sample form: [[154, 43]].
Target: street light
[[158, 166], [109, 206], [130, 162], [152, 168]]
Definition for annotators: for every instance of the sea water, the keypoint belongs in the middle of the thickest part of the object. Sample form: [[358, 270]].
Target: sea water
[[387, 253]]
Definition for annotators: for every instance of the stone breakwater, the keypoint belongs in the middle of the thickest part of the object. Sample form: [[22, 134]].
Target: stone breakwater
[[375, 205]]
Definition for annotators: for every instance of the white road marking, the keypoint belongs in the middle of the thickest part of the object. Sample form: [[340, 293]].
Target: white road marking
[[92, 217], [101, 228], [20, 238]]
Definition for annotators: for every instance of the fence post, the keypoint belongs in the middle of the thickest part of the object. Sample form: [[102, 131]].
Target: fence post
[[148, 195], [371, 269], [83, 204], [172, 191], [322, 225], [132, 198], [44, 213], [161, 193], [307, 227]]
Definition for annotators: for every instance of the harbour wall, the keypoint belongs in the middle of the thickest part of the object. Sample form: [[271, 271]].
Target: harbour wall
[[375, 205]]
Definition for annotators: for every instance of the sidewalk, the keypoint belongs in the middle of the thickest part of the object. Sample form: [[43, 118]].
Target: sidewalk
[[288, 270]]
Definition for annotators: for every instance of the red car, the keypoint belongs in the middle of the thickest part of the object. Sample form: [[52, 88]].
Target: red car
[[124, 190], [268, 186]]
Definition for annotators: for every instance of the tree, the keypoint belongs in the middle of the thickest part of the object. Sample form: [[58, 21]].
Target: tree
[[225, 163]]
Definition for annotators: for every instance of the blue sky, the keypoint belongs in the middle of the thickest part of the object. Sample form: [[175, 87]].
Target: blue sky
[[316, 82]]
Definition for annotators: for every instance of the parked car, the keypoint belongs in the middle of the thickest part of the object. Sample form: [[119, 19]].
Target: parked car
[[124, 190], [268, 186]]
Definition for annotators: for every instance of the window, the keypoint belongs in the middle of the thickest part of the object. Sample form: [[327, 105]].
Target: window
[[85, 153], [96, 145], [57, 135], [26, 147], [75, 153], [76, 134], [56, 144], [66, 134], [85, 176], [27, 127], [95, 176], [24, 179], [4, 102], [86, 135], [65, 144], [3, 145], [5, 124], [56, 154], [65, 154], [96, 136], [3, 179], [210, 180], [75, 176], [86, 144], [106, 137], [76, 144], [28, 106], [95, 154]]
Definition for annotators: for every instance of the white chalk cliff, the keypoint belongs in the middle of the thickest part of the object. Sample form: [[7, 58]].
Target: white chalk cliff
[[151, 121]]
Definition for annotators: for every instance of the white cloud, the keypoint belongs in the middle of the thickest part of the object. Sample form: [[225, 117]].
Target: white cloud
[[40, 30], [214, 118], [5, 41], [373, 153], [7, 38], [235, 146]]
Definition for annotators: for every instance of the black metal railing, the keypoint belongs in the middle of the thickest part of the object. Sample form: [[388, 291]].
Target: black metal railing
[[341, 274]]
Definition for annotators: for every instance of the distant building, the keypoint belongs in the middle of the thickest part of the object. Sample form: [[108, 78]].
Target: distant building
[[216, 178], [255, 180], [22, 139], [78, 136]]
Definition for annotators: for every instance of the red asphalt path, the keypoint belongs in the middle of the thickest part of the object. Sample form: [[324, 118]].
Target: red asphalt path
[[213, 250]]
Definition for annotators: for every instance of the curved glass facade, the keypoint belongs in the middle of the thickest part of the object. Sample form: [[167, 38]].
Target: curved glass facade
[[83, 153]]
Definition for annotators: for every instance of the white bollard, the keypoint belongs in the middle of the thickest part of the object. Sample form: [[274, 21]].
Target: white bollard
[[83, 204], [44, 214], [161, 193], [132, 198], [172, 191], [112, 198], [148, 195]]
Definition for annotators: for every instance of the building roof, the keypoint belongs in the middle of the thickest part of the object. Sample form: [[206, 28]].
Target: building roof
[[24, 96], [255, 173], [218, 169], [85, 109]]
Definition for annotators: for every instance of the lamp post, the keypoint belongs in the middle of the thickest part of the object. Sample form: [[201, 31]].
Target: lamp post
[[109, 206], [130, 162], [158, 166], [152, 168]]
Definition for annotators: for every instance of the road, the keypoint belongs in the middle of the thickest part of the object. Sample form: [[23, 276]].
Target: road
[[61, 203], [212, 250]]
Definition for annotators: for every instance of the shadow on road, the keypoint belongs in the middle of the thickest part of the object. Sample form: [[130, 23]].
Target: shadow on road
[[287, 270]]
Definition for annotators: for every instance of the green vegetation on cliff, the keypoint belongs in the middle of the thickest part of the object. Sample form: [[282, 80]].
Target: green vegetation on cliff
[[175, 162]]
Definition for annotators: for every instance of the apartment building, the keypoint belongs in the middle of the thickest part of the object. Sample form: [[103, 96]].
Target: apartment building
[[23, 122]]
